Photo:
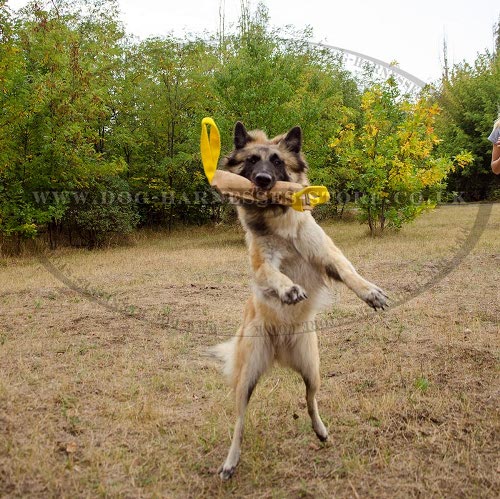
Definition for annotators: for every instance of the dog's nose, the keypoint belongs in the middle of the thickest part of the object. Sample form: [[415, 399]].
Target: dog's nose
[[263, 180]]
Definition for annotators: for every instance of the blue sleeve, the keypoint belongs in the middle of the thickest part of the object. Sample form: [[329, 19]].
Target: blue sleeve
[[494, 135]]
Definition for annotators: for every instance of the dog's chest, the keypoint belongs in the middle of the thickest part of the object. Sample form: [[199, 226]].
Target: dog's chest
[[299, 270], [286, 225]]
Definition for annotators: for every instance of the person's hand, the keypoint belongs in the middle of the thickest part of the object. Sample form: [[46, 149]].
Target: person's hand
[[497, 143]]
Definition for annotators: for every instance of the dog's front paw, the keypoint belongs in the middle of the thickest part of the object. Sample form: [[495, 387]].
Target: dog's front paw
[[375, 297], [293, 295]]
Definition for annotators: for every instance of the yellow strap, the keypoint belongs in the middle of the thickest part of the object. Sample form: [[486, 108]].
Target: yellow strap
[[210, 147], [314, 195]]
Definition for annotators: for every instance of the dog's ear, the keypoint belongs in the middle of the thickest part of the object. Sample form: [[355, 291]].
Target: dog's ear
[[293, 139], [241, 137]]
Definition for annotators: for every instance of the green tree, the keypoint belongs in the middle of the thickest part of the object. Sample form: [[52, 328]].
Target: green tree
[[272, 79], [162, 96], [470, 100], [391, 155], [55, 109]]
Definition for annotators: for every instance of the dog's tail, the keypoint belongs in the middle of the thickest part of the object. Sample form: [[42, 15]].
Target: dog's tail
[[224, 353]]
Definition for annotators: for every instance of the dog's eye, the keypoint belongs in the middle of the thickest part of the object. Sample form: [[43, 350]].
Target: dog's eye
[[276, 161], [254, 159]]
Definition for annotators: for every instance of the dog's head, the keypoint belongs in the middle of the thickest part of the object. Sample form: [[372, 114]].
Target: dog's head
[[264, 161]]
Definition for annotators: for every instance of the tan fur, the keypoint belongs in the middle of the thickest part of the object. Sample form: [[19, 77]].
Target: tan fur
[[293, 262]]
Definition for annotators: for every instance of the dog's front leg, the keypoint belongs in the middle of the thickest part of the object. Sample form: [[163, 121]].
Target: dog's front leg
[[320, 250], [339, 268], [269, 278]]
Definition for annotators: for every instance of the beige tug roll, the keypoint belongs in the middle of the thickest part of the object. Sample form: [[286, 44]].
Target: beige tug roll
[[237, 187]]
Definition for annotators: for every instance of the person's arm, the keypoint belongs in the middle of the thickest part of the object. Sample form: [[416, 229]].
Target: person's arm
[[495, 158]]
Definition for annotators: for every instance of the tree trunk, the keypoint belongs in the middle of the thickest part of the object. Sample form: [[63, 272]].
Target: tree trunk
[[382, 216], [370, 222], [342, 209]]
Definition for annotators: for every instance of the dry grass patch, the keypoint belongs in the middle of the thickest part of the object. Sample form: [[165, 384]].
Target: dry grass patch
[[118, 401]]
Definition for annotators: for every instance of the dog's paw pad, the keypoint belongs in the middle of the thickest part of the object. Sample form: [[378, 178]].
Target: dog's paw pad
[[293, 295]]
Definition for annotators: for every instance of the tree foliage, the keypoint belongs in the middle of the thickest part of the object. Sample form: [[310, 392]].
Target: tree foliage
[[273, 80], [469, 97], [54, 104], [387, 158], [102, 211]]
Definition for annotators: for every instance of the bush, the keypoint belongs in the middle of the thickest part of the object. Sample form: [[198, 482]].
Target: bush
[[102, 212]]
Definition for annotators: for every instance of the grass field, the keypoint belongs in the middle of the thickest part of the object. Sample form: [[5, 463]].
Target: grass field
[[105, 392]]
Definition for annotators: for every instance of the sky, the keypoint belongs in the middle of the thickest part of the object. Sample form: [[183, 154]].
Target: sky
[[410, 33]]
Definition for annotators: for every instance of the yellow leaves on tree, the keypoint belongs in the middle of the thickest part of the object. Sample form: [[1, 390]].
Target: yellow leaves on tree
[[392, 151]]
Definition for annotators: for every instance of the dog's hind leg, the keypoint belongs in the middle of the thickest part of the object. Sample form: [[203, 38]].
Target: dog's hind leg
[[304, 358], [253, 357]]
